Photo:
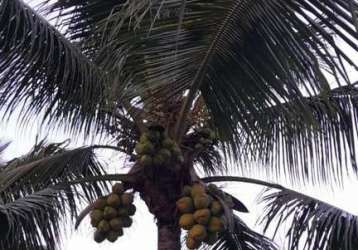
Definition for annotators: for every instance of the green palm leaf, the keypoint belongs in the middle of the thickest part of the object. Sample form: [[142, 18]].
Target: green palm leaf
[[43, 70], [315, 224]]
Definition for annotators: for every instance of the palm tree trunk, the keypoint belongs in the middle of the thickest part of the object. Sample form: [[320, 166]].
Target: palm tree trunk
[[168, 237]]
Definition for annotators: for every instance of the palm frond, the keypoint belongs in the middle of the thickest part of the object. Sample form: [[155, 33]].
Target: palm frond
[[41, 71], [242, 238], [322, 151], [315, 224], [244, 56], [33, 221], [39, 189], [50, 165]]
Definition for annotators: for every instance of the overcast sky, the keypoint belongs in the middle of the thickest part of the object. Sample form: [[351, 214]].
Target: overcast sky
[[142, 235]]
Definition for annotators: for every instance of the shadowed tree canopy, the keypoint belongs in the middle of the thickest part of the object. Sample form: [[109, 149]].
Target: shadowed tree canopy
[[270, 79]]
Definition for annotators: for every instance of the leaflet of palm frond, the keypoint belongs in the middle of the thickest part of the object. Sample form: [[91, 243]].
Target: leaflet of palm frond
[[41, 68], [242, 238], [80, 18], [315, 224], [50, 164], [322, 151], [34, 221]]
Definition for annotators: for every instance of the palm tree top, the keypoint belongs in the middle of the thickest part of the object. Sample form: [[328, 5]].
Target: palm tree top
[[257, 73]]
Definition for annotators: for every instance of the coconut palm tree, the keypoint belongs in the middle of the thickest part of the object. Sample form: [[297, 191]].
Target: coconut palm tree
[[187, 91]]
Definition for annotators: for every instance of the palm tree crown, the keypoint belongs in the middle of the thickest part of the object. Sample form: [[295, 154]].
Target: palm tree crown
[[243, 84]]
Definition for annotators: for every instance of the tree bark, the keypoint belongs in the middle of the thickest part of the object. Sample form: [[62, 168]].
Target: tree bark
[[168, 237]]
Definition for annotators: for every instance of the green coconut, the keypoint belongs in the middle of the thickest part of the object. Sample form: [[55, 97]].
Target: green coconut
[[186, 191], [216, 208], [180, 159], [99, 237], [126, 221], [202, 201], [112, 236], [202, 216], [185, 205], [144, 138], [116, 224], [158, 160], [165, 153], [215, 225], [100, 203], [192, 243], [197, 189], [168, 143], [103, 226], [96, 216], [197, 232], [154, 135], [186, 221], [211, 239], [109, 213], [127, 199], [122, 211], [146, 160], [118, 188], [114, 200], [131, 209], [176, 151]]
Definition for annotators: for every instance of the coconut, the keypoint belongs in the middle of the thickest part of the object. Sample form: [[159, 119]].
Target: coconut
[[154, 135], [186, 221], [197, 189], [99, 236], [131, 209], [186, 191], [211, 239], [96, 216], [158, 160], [100, 203], [168, 143], [122, 211], [113, 200], [180, 159], [216, 208], [103, 226], [127, 199], [146, 160], [144, 138], [109, 213], [139, 148], [202, 216], [215, 225], [198, 232], [185, 205], [202, 201], [112, 236], [126, 221], [116, 224], [176, 151], [118, 188], [192, 243], [165, 153]]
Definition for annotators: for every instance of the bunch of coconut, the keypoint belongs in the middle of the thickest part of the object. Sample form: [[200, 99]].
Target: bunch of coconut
[[205, 137], [155, 148], [112, 213], [201, 214]]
